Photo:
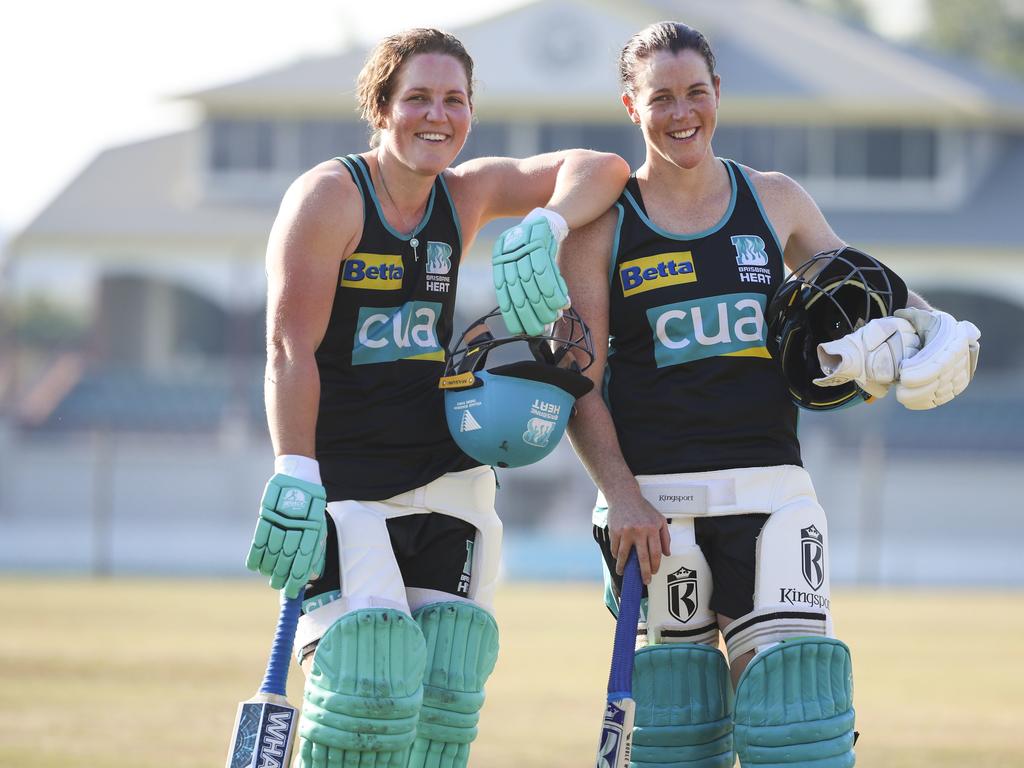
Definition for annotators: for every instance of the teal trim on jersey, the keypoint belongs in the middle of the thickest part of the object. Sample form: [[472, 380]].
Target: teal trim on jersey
[[696, 235], [455, 213], [365, 171], [615, 244], [760, 207], [352, 172]]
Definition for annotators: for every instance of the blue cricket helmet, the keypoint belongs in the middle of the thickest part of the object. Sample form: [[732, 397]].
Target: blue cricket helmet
[[514, 414]]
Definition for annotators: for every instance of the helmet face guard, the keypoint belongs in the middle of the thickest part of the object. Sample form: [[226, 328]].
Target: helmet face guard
[[514, 414], [830, 295]]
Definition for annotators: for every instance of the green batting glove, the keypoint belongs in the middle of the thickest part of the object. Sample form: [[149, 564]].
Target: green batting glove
[[531, 291], [291, 533]]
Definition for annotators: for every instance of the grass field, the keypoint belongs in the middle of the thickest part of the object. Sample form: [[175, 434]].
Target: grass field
[[147, 674]]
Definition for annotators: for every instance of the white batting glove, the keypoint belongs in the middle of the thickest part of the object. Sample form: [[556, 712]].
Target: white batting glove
[[870, 356], [946, 363]]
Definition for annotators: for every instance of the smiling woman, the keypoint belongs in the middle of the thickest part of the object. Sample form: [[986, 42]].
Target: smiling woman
[[372, 501]]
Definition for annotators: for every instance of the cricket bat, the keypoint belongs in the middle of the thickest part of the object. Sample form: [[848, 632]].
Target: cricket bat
[[265, 724], [617, 729]]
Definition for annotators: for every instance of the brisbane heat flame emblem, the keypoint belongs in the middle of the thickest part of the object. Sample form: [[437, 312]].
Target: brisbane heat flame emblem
[[682, 594]]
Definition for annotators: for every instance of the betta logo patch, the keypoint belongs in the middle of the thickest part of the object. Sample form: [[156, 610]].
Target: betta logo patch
[[373, 271], [658, 271]]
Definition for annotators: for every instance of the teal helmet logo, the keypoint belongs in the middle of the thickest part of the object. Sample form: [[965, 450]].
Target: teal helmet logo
[[514, 414]]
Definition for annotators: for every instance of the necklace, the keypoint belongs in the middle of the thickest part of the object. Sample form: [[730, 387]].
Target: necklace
[[384, 183]]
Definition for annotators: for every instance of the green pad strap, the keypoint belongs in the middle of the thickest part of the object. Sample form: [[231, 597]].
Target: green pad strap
[[794, 706], [462, 647], [365, 689], [683, 704]]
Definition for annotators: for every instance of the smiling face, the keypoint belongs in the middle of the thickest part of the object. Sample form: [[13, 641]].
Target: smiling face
[[674, 100], [428, 116]]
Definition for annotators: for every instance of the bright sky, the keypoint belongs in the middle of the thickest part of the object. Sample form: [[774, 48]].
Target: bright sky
[[80, 76]]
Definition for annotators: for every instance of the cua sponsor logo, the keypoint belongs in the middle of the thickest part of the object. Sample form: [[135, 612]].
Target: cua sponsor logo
[[658, 271], [718, 325], [408, 332]]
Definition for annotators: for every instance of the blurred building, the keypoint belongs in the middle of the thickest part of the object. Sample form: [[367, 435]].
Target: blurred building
[[914, 158]]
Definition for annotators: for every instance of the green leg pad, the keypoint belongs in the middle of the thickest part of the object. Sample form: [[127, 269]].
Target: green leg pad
[[794, 706], [364, 692], [462, 647], [683, 708]]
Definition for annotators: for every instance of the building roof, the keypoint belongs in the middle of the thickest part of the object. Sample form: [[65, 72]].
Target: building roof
[[776, 59], [148, 190], [778, 62]]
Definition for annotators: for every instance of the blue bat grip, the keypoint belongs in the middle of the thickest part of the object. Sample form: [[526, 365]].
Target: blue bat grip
[[620, 679], [276, 678]]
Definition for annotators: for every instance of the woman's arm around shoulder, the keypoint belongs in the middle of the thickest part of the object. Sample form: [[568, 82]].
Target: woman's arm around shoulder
[[317, 227], [578, 184]]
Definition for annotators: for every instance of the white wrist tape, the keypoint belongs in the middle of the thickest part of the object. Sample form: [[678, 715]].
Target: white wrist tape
[[871, 355], [301, 467], [559, 226]]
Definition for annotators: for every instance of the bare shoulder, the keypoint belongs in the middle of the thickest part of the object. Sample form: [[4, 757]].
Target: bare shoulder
[[775, 187], [326, 192]]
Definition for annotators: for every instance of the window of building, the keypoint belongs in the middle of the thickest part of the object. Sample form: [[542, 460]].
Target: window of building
[[841, 153], [622, 139], [486, 140], [321, 140], [241, 144]]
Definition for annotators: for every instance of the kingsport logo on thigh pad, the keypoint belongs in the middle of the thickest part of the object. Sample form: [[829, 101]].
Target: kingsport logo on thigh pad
[[718, 325], [408, 332]]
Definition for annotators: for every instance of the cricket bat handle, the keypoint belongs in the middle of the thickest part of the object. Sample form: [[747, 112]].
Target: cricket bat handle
[[276, 678]]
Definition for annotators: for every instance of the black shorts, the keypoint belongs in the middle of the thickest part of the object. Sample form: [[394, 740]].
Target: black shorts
[[433, 551], [728, 543]]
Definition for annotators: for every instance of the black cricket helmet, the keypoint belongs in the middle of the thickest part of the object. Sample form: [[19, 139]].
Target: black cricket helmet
[[825, 298], [515, 414]]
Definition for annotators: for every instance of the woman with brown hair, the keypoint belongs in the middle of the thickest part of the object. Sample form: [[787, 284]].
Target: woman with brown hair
[[690, 434], [397, 636]]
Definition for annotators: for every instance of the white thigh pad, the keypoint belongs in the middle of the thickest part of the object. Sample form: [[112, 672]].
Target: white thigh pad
[[679, 595], [791, 583]]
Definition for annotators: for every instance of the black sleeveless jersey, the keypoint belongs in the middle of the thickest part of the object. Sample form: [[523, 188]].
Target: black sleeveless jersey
[[689, 382], [381, 427]]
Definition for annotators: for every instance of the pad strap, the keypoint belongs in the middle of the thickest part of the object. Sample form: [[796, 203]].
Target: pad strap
[[794, 706], [773, 624], [462, 648]]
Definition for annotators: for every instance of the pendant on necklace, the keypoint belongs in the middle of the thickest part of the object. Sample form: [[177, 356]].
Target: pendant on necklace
[[415, 244]]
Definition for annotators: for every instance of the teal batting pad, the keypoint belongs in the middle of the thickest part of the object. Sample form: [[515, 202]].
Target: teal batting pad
[[462, 647], [364, 692], [794, 706], [683, 708]]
